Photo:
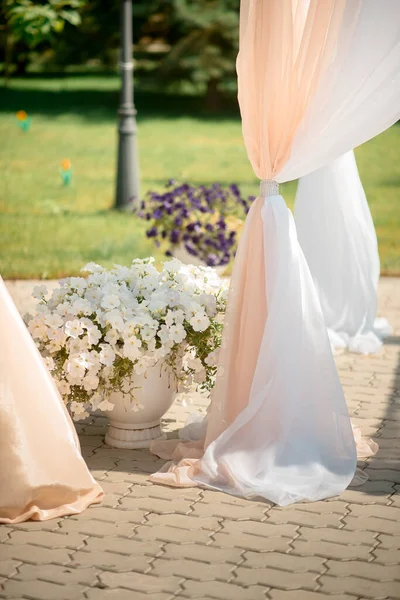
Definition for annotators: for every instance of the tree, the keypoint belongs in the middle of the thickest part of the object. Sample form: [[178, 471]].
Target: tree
[[34, 22], [204, 37]]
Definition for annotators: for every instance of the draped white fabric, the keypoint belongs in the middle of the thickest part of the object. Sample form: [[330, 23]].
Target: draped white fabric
[[315, 80], [294, 439], [358, 95], [337, 235]]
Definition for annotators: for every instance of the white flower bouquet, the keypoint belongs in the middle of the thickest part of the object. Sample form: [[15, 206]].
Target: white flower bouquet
[[96, 333]]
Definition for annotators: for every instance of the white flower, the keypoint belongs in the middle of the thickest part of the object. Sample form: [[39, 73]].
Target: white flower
[[194, 363], [39, 292], [115, 319], [111, 337], [164, 334], [130, 328], [94, 335], [132, 347], [92, 267], [54, 320], [78, 410], [105, 405], [74, 369], [78, 284], [93, 295], [81, 306], [63, 387], [212, 359], [157, 305], [73, 328], [107, 355], [63, 309], [177, 333], [200, 321], [90, 382], [110, 302], [148, 333], [50, 364]]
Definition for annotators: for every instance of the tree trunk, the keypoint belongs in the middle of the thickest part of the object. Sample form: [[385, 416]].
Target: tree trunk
[[213, 95]]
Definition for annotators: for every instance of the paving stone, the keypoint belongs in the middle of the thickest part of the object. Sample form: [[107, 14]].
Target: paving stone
[[331, 550], [229, 511], [222, 591], [172, 534], [8, 567], [201, 553], [35, 554], [110, 561], [131, 547], [184, 522], [57, 574], [299, 517], [391, 513], [372, 524], [363, 569], [141, 583], [252, 542], [389, 541], [287, 562], [359, 586], [191, 569], [338, 536], [266, 529], [98, 528], [42, 590], [47, 539], [276, 578], [120, 594], [103, 513], [304, 595], [387, 557], [157, 505]]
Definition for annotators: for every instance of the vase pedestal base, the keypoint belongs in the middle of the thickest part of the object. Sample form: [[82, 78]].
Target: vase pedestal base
[[123, 435]]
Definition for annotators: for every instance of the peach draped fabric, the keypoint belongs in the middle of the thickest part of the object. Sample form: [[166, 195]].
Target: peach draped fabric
[[278, 425], [42, 472]]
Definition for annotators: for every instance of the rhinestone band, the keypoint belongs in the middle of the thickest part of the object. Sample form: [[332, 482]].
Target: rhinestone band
[[269, 187]]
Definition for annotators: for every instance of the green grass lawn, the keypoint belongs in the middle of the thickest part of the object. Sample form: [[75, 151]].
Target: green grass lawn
[[48, 230]]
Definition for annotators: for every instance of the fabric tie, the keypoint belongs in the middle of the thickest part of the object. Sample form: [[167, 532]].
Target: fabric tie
[[269, 187]]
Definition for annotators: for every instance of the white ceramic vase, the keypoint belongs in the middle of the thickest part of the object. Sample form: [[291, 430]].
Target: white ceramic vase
[[183, 255], [136, 429]]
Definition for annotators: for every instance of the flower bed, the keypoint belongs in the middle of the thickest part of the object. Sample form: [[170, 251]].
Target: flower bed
[[205, 220]]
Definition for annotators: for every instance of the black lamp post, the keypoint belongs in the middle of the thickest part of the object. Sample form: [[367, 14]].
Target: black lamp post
[[127, 193]]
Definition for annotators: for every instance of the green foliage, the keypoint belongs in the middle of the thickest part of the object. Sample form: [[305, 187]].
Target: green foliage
[[206, 45], [35, 22]]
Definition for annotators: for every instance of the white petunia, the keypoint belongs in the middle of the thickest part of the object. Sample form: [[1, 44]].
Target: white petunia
[[93, 295], [79, 284], [132, 347], [105, 405], [157, 305], [92, 267], [111, 337], [107, 355], [115, 319], [94, 335], [54, 321], [39, 292], [148, 333], [200, 321], [90, 382], [50, 364], [74, 369], [110, 302], [81, 307], [63, 309], [73, 328], [78, 410], [212, 359], [177, 333], [63, 387]]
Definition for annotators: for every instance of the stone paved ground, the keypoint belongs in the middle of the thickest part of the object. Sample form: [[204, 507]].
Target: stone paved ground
[[151, 542]]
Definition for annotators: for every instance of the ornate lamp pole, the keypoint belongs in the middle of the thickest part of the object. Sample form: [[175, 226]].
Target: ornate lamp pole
[[127, 193]]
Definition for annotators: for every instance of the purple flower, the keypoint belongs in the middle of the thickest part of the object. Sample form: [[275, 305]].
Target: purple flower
[[152, 232], [174, 237]]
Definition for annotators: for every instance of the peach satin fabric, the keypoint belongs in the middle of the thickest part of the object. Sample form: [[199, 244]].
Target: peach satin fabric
[[238, 356], [42, 472]]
